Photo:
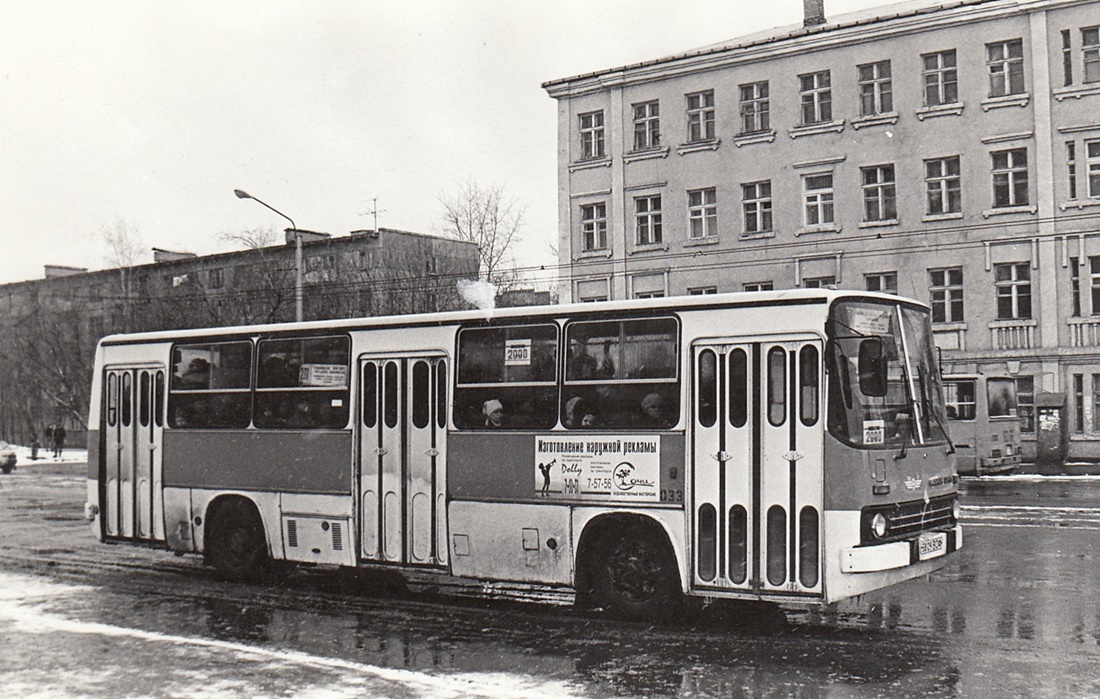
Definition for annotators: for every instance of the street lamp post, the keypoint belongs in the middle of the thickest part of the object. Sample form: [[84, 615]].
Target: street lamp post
[[241, 194]]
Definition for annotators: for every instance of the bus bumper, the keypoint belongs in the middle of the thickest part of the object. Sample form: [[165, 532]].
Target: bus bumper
[[898, 554]]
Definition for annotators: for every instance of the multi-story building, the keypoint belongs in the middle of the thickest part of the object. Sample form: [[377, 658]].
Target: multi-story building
[[947, 151], [52, 324]]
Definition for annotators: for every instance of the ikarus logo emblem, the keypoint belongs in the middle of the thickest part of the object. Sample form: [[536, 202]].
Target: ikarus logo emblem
[[913, 483]]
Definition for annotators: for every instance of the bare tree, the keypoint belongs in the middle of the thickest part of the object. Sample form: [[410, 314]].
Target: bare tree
[[125, 248], [271, 280], [487, 217]]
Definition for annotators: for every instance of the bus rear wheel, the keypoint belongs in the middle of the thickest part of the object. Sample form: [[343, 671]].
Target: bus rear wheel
[[237, 543], [634, 575]]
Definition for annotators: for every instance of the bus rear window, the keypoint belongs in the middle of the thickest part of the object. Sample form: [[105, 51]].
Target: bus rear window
[[507, 377], [302, 383], [210, 385]]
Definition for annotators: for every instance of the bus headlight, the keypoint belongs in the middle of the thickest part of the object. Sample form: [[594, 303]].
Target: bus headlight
[[878, 525], [956, 510]]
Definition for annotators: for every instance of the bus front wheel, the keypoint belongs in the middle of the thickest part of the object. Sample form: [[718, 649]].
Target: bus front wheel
[[634, 575], [237, 543]]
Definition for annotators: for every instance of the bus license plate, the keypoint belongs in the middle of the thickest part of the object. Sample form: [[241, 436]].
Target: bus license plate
[[931, 545]]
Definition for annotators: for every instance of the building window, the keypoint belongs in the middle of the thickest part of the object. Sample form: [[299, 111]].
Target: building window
[[1025, 403], [818, 198], [594, 226], [754, 108], [592, 135], [1012, 282], [1092, 165], [756, 198], [1094, 284], [647, 219], [946, 289], [648, 286], [759, 286], [1071, 166], [1074, 287], [647, 125], [1078, 403], [879, 193], [941, 78], [944, 185], [816, 97], [1010, 178], [700, 114], [1067, 59], [702, 290], [1005, 60], [828, 282], [592, 290], [702, 213], [216, 278], [1090, 51], [1096, 402], [885, 282], [875, 91]]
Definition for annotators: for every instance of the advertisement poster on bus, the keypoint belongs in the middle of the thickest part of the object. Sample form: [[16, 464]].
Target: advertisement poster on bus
[[598, 468]]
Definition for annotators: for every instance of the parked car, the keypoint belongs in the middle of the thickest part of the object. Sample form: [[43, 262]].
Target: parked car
[[7, 457]]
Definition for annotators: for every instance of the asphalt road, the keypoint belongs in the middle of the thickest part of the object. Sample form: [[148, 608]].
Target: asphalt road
[[1016, 613]]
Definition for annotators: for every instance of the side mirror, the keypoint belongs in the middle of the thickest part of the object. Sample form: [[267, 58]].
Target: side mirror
[[872, 367]]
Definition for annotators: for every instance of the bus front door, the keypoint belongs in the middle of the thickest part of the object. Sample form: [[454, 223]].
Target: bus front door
[[757, 475], [402, 459], [132, 425]]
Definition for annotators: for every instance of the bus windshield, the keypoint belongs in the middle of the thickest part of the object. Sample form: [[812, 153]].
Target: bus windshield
[[884, 383]]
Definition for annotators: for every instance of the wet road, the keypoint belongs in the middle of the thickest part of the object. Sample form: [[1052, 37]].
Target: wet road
[[1015, 614]]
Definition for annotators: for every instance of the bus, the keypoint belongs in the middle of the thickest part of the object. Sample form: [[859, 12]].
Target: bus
[[982, 423], [784, 446]]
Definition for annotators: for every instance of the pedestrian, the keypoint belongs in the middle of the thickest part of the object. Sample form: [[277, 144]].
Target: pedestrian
[[58, 440], [35, 445]]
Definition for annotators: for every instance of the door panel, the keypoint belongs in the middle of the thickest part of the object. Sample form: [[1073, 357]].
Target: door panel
[[402, 457], [132, 468], [757, 466]]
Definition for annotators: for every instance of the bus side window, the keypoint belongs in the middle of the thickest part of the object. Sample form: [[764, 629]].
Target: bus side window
[[211, 385], [509, 370], [808, 385], [777, 385], [302, 383], [624, 371]]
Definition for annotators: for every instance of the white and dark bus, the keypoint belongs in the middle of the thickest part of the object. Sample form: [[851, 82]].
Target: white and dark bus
[[781, 446], [982, 422]]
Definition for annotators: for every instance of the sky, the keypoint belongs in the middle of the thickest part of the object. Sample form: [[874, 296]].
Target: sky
[[146, 115]]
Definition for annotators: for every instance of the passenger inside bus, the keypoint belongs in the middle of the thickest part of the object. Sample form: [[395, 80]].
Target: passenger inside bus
[[493, 410]]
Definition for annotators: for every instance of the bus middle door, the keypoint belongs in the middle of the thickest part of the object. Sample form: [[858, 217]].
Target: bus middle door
[[402, 459]]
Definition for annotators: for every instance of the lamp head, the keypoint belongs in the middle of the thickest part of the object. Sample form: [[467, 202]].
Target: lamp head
[[241, 194]]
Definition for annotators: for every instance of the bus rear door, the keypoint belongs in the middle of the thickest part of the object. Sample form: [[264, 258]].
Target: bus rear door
[[402, 459], [130, 467], [757, 473]]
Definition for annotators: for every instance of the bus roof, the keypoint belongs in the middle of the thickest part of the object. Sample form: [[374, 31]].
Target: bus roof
[[670, 304]]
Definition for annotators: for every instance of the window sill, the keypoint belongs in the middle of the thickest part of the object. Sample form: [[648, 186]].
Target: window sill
[[815, 129], [696, 242], [697, 146], [882, 119], [879, 224], [820, 228], [940, 110], [1020, 100], [591, 254], [1079, 203], [762, 235], [949, 327], [1008, 210], [933, 218], [1014, 323], [590, 164], [647, 154], [1076, 92], [653, 247], [747, 139]]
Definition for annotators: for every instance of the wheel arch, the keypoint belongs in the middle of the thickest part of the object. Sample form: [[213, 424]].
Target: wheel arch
[[220, 506], [595, 529]]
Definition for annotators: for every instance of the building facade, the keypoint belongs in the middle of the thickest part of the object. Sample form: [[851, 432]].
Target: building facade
[[53, 324], [948, 152]]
